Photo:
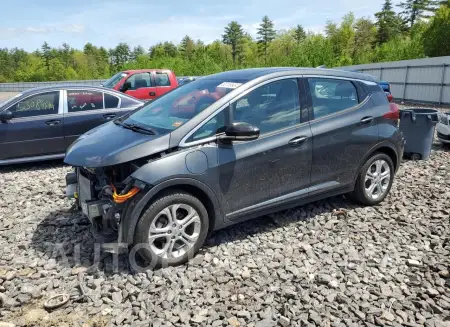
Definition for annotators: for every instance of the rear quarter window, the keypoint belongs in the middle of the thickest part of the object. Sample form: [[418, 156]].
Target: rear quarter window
[[379, 98]]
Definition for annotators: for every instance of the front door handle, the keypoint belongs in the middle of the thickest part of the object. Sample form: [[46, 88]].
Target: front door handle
[[109, 116], [366, 120], [152, 94], [52, 122], [298, 140]]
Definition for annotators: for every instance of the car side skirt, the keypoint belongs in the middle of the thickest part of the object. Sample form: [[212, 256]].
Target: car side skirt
[[31, 159], [291, 203]]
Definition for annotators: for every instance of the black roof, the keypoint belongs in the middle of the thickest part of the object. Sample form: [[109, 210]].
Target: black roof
[[252, 73]]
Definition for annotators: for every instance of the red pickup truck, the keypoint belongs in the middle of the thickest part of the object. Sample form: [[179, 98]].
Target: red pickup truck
[[145, 84]]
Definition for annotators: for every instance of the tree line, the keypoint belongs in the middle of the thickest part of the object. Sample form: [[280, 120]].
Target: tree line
[[421, 29]]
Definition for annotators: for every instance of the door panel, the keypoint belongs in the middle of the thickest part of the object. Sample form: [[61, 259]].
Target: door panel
[[252, 172], [31, 136], [36, 128], [342, 135], [162, 83], [84, 111], [77, 123], [142, 86], [278, 163]]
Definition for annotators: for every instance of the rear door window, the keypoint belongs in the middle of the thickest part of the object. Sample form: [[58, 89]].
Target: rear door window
[[139, 80], [330, 96], [162, 79], [84, 100], [37, 105]]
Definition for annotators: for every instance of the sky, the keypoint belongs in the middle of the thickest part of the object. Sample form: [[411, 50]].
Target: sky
[[27, 24]]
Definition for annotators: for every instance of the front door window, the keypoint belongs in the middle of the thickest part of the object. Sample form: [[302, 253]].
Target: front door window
[[37, 105]]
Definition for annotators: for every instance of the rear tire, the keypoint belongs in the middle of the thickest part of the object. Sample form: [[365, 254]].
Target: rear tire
[[172, 229], [374, 180]]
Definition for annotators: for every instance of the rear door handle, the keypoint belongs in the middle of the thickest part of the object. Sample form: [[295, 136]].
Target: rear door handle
[[366, 120], [109, 116], [298, 140], [52, 122], [152, 94]]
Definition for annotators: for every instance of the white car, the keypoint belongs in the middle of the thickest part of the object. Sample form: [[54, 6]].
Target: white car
[[443, 128]]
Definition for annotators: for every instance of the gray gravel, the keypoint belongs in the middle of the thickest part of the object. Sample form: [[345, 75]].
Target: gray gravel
[[381, 266]]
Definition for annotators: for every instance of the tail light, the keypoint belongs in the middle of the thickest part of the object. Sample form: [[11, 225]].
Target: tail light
[[390, 97], [394, 112]]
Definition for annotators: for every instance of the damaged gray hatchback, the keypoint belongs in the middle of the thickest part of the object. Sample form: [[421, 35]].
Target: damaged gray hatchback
[[230, 147]]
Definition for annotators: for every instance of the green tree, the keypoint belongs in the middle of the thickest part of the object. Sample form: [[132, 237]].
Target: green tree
[[46, 54], [233, 36], [436, 38], [137, 51], [416, 9], [300, 33], [121, 54], [266, 34], [187, 47], [365, 38], [170, 49], [388, 23]]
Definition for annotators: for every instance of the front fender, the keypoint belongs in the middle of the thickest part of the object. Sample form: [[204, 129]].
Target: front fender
[[140, 202]]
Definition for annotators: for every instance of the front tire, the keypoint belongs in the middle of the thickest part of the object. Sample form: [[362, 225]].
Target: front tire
[[374, 180], [172, 229]]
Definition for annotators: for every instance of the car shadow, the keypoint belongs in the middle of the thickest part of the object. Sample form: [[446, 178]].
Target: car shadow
[[280, 219], [65, 238]]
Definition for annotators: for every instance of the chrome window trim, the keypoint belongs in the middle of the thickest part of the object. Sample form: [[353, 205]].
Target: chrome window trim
[[60, 110], [339, 77], [183, 142]]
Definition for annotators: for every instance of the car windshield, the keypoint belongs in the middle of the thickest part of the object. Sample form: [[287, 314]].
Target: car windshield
[[110, 83], [175, 108]]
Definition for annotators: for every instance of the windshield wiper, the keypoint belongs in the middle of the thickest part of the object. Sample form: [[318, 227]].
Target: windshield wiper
[[139, 129]]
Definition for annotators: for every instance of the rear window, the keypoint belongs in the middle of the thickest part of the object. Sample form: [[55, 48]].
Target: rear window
[[162, 79], [111, 101]]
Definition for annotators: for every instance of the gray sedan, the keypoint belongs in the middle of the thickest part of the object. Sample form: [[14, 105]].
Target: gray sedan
[[39, 124]]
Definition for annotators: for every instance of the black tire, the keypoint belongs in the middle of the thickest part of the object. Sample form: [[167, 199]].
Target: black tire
[[143, 227], [359, 194]]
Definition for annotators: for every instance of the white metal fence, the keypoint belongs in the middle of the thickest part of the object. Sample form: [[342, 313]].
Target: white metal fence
[[419, 80], [21, 86]]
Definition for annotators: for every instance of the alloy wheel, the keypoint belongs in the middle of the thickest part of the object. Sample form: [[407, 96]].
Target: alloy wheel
[[174, 231], [377, 179]]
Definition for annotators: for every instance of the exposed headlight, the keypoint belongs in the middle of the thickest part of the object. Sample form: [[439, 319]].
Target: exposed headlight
[[444, 119]]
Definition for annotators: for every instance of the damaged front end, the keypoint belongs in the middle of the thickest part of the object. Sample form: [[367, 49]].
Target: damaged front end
[[103, 194]]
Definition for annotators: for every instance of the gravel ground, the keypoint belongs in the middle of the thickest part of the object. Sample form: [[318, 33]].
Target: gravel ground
[[385, 266]]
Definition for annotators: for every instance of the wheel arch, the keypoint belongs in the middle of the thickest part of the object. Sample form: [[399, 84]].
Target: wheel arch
[[385, 147], [189, 185]]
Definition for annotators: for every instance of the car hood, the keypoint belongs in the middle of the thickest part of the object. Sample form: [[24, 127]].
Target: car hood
[[110, 144]]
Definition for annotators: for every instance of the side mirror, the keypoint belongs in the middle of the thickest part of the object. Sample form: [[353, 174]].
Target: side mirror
[[240, 132], [5, 115], [125, 87]]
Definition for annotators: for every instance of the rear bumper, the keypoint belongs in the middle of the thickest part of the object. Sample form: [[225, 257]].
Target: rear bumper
[[401, 150]]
